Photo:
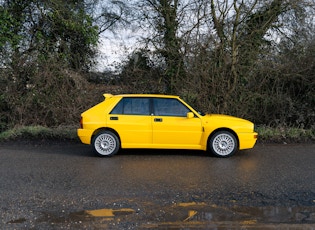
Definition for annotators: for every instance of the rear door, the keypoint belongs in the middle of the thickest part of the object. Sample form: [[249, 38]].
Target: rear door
[[132, 120]]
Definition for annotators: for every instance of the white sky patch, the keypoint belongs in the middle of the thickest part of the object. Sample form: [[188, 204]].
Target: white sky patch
[[114, 49]]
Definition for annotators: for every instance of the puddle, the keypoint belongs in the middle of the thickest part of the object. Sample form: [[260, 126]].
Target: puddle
[[280, 214], [186, 215], [200, 212], [244, 215], [202, 216]]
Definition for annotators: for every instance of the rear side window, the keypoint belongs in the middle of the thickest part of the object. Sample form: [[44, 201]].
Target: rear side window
[[133, 106], [169, 107]]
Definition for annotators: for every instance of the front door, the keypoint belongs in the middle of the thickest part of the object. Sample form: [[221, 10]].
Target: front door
[[172, 128]]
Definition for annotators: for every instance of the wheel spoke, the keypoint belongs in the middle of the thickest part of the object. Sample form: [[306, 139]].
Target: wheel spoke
[[105, 144], [223, 144]]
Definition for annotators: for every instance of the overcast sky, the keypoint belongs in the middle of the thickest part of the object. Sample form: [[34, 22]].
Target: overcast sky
[[115, 48]]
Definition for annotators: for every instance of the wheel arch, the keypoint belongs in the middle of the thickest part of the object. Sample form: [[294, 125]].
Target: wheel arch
[[105, 129], [223, 129]]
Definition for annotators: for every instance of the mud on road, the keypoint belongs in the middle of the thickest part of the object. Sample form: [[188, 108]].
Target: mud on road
[[59, 185]]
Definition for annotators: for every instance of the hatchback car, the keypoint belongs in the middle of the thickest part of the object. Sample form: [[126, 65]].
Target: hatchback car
[[161, 122]]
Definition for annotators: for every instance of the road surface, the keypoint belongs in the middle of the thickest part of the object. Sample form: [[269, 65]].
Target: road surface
[[60, 185]]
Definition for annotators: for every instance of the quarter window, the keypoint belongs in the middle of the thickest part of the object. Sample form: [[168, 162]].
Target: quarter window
[[169, 107], [133, 106]]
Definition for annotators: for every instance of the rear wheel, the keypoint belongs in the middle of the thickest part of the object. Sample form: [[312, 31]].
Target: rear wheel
[[106, 143], [223, 144]]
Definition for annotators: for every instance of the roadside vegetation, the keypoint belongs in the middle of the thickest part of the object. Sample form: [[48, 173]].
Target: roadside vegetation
[[39, 133], [252, 59]]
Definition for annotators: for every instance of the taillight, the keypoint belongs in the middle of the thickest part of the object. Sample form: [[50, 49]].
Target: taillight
[[81, 122]]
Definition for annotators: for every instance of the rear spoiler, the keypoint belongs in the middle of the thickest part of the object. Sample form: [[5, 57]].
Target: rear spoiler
[[107, 95]]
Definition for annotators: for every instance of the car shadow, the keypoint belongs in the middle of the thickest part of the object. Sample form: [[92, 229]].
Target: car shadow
[[162, 152]]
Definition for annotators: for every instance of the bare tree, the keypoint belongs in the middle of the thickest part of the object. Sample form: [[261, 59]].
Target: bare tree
[[163, 20]]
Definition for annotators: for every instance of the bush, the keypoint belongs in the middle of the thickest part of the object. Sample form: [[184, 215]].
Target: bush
[[48, 95]]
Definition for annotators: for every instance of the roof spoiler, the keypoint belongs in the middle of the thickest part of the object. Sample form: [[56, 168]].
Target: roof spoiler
[[107, 95]]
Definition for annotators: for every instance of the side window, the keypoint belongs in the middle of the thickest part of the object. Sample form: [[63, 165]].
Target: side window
[[118, 109], [133, 106], [169, 107]]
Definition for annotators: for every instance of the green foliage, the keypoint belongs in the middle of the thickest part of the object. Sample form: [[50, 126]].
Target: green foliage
[[43, 29], [7, 23], [70, 32]]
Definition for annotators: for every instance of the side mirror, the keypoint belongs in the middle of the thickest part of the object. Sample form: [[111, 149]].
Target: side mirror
[[190, 115]]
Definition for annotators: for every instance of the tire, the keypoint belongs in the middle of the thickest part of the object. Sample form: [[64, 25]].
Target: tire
[[106, 143], [223, 144]]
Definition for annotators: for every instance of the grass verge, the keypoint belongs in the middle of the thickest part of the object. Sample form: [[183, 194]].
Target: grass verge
[[266, 134], [40, 132], [283, 134]]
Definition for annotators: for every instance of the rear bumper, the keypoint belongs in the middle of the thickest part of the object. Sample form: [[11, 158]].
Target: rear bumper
[[247, 140], [85, 135]]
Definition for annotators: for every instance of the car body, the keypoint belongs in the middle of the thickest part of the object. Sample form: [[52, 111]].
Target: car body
[[161, 122]]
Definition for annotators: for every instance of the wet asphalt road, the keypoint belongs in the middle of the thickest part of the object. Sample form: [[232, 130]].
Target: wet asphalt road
[[59, 185]]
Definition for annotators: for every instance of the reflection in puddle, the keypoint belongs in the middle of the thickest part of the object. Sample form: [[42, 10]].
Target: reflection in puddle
[[191, 214], [191, 204], [101, 213], [248, 222], [109, 212]]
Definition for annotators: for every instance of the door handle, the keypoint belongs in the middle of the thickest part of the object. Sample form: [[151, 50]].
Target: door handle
[[113, 118], [158, 119]]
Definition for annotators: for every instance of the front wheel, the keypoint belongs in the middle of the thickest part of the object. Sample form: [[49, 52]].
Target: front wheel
[[223, 144], [106, 143]]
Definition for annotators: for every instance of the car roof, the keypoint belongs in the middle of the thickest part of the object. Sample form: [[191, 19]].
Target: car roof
[[106, 95]]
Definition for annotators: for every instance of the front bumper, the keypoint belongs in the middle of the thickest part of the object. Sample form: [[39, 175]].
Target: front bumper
[[247, 140]]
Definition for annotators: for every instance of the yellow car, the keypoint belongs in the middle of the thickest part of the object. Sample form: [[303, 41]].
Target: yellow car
[[161, 122]]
